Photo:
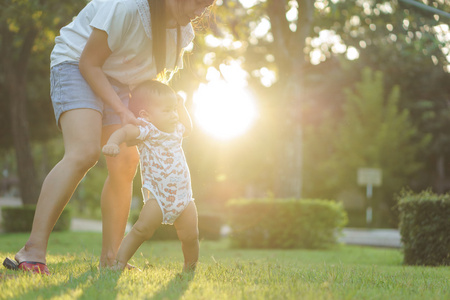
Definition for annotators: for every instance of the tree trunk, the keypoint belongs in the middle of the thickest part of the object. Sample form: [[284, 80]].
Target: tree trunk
[[291, 61], [16, 74], [295, 89], [19, 126], [440, 172]]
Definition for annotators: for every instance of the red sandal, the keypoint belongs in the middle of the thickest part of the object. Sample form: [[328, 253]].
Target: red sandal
[[26, 266]]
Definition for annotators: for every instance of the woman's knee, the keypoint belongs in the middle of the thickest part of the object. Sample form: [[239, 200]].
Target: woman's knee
[[124, 165], [83, 158]]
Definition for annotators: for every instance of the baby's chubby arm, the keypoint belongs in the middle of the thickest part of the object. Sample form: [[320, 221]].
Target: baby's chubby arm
[[127, 134]]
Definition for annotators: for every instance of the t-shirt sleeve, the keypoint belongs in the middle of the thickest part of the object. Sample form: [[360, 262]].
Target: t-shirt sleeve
[[114, 17], [145, 132]]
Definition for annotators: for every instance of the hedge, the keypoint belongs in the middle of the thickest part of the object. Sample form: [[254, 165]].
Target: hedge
[[20, 218], [285, 223], [424, 228]]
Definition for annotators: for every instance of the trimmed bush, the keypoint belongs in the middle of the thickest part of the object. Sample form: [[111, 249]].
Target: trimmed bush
[[424, 227], [20, 218], [285, 223]]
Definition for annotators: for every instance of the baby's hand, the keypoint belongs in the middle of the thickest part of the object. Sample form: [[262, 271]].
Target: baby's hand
[[111, 149]]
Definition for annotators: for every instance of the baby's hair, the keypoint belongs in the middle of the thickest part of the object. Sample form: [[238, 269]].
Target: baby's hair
[[142, 95]]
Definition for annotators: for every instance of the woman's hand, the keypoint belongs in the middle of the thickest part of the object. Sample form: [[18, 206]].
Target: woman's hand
[[91, 62], [127, 117]]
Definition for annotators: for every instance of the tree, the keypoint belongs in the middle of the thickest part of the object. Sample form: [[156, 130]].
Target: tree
[[27, 29], [281, 48], [410, 46], [374, 132]]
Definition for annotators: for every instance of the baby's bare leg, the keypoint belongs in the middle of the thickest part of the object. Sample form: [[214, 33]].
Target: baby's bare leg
[[149, 220], [187, 230]]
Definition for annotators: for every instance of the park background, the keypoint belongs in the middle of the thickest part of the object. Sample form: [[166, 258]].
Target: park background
[[312, 91]]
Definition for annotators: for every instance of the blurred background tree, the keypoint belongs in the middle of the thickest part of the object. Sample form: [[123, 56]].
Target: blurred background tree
[[342, 37], [27, 32], [373, 132], [411, 47]]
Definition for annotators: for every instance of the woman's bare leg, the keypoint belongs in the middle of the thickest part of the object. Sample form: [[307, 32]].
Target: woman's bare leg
[[81, 130], [149, 220], [187, 231], [116, 197]]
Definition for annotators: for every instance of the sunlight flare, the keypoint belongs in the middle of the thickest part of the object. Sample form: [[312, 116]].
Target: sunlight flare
[[224, 110]]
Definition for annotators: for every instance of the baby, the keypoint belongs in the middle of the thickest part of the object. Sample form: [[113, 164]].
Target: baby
[[166, 181]]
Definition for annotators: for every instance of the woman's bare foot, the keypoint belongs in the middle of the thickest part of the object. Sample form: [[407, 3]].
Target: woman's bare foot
[[189, 267], [29, 253]]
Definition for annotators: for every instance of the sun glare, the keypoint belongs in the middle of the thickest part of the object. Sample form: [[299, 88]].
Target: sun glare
[[224, 110]]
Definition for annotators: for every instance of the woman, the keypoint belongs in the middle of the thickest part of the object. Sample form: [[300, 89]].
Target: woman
[[110, 47]]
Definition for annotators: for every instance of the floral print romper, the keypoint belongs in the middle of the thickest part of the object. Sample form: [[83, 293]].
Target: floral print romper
[[164, 171]]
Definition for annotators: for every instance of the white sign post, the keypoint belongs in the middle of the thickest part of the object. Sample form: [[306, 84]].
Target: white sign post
[[369, 177]]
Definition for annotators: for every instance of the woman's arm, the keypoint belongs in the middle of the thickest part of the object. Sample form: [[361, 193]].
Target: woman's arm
[[92, 59], [184, 116], [127, 133]]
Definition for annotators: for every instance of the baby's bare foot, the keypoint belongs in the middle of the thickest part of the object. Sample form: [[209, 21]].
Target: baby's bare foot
[[132, 268], [116, 266]]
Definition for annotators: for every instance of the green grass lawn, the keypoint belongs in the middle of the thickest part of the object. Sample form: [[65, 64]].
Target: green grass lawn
[[344, 272]]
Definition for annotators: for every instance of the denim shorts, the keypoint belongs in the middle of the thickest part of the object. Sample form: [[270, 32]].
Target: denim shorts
[[69, 90]]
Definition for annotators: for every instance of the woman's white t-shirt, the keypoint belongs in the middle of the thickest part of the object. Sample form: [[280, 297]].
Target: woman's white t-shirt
[[127, 23]]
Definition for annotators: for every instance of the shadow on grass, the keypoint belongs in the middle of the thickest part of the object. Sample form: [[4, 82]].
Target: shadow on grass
[[5, 276], [175, 288], [105, 280], [84, 286]]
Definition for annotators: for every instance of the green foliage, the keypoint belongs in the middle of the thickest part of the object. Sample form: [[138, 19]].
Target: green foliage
[[17, 20], [27, 32], [372, 132], [87, 197], [424, 227], [285, 223], [401, 42], [89, 191], [410, 47], [20, 219], [47, 154]]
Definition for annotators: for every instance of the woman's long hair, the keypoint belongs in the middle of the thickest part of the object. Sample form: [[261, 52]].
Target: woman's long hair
[[158, 23]]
